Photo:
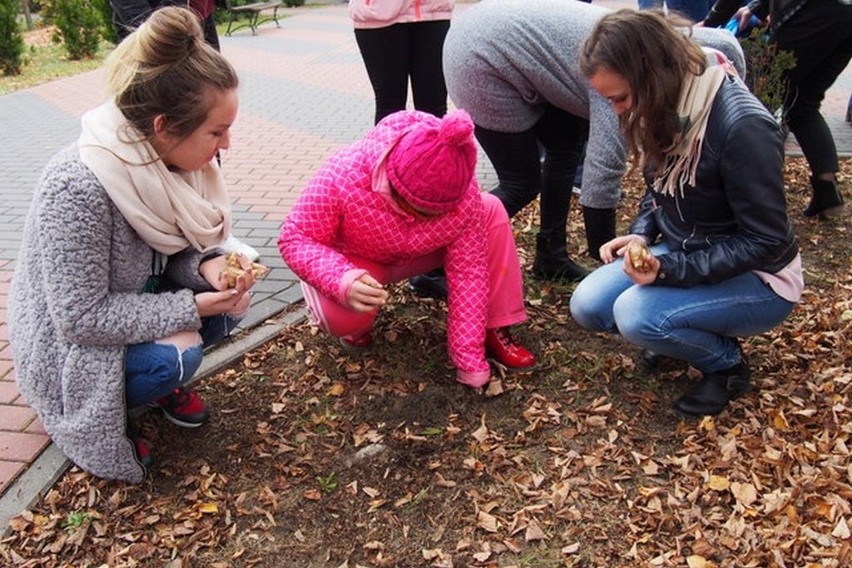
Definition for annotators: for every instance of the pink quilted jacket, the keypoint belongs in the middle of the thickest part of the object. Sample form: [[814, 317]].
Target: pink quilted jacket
[[347, 209], [383, 13]]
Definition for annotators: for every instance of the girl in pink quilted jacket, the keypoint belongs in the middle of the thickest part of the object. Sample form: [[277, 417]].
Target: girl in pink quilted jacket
[[401, 201]]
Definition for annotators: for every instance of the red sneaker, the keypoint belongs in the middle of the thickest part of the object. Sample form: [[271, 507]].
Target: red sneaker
[[183, 407], [500, 345], [143, 452], [140, 445]]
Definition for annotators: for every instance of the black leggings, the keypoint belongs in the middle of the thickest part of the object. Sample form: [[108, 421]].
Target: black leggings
[[820, 37], [397, 52], [516, 156]]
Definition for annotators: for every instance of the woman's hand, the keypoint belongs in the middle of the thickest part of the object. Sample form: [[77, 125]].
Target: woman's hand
[[233, 301], [743, 15], [611, 250], [639, 264], [646, 277], [367, 295], [214, 271]]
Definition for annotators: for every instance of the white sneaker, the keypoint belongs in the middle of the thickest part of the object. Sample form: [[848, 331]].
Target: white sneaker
[[232, 244]]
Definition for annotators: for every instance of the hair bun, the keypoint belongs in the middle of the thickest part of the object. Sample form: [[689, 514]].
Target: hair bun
[[456, 128]]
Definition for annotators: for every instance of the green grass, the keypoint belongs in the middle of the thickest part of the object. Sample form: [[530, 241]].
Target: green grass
[[45, 63]]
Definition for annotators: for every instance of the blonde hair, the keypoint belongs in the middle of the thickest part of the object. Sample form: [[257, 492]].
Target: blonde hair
[[654, 58], [166, 68]]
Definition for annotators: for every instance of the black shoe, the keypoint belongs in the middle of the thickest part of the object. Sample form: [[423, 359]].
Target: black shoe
[[433, 284], [564, 269], [552, 261], [650, 359], [714, 391], [826, 200]]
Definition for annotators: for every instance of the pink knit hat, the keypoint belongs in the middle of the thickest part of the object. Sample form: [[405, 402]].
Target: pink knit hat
[[432, 165]]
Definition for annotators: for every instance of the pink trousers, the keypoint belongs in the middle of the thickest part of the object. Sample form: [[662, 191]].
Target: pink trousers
[[505, 284]]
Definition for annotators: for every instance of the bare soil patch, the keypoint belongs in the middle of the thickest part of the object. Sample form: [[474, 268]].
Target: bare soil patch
[[39, 37], [317, 457]]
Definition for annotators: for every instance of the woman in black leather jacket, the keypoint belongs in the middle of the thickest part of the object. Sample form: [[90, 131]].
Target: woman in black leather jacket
[[723, 262], [818, 33]]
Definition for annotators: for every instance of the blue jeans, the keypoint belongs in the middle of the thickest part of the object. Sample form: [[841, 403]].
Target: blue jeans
[[698, 325], [153, 370]]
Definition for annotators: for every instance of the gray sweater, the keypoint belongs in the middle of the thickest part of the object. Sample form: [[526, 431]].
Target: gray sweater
[[504, 60], [75, 304]]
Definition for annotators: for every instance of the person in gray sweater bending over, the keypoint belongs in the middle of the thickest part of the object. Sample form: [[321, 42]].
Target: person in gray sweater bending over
[[119, 283], [513, 66]]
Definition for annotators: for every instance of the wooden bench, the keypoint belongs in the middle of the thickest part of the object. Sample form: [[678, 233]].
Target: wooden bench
[[254, 11]]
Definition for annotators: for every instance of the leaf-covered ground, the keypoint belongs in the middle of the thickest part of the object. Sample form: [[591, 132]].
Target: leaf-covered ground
[[319, 457]]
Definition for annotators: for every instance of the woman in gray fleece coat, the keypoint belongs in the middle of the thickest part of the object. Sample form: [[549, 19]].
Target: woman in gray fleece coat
[[513, 66], [118, 285]]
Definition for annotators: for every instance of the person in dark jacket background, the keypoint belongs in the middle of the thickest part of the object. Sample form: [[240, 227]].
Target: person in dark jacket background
[[127, 15], [512, 64], [818, 33], [723, 260]]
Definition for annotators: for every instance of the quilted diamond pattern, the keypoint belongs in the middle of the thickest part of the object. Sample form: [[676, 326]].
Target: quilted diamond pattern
[[341, 214]]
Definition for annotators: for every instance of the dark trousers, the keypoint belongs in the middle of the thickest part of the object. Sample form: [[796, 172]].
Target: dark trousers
[[396, 53], [820, 37], [559, 138]]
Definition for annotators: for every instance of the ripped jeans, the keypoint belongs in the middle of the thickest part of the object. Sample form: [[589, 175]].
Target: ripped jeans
[[153, 370]]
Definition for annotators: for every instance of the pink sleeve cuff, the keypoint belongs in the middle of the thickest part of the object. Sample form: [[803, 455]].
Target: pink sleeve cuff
[[475, 379]]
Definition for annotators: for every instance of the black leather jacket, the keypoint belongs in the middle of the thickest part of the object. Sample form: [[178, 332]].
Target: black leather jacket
[[735, 218], [780, 10]]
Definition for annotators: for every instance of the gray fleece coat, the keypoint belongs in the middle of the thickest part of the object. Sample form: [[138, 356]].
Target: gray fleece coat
[[76, 302], [504, 60]]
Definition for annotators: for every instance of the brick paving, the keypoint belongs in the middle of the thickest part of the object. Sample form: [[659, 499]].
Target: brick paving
[[303, 94]]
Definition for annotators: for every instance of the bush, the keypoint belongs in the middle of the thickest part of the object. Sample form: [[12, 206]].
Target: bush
[[79, 25], [11, 39], [766, 66], [108, 30], [47, 11], [294, 3]]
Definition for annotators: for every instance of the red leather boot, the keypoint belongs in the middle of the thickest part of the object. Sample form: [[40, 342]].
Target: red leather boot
[[500, 345]]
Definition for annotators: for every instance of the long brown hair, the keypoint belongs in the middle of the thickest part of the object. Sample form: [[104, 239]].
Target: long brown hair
[[166, 68], [654, 57]]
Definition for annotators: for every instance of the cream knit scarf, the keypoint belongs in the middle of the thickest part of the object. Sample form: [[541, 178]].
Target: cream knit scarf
[[170, 210], [696, 99]]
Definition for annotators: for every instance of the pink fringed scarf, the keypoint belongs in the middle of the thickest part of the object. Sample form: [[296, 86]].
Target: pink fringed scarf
[[696, 99]]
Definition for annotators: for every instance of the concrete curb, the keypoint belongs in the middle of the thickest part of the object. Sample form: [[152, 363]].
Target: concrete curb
[[51, 464]]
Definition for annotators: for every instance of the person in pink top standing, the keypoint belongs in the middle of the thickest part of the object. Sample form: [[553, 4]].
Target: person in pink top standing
[[401, 40], [398, 202]]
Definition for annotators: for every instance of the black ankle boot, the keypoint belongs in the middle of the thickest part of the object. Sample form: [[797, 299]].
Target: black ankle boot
[[714, 391], [600, 229], [826, 201], [650, 359], [553, 263], [433, 284]]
